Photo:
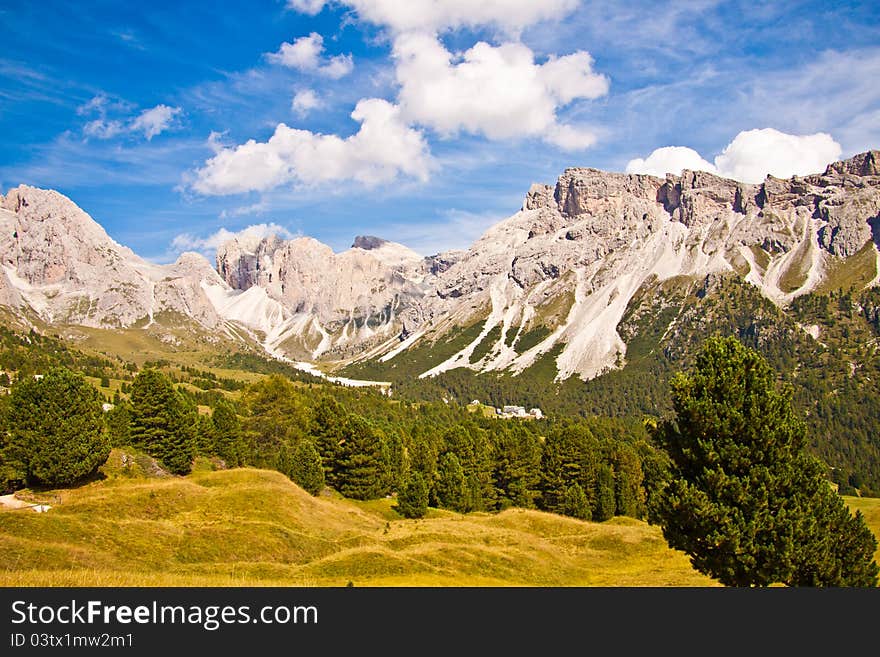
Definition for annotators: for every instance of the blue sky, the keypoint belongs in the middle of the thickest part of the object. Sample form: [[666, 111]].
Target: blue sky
[[173, 122]]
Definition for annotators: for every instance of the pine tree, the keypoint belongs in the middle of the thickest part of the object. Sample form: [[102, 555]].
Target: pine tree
[[575, 503], [118, 421], [228, 435], [305, 468], [56, 429], [569, 457], [412, 502], [748, 505], [361, 471], [163, 422], [205, 436], [452, 491], [327, 428], [277, 416], [517, 472], [628, 492], [605, 502], [471, 446]]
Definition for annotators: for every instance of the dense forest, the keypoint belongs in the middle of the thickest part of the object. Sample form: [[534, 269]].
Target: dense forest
[[356, 441], [834, 376]]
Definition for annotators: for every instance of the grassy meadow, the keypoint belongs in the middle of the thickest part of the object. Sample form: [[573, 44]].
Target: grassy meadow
[[248, 527]]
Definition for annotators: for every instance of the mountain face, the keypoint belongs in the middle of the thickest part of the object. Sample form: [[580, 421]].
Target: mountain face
[[59, 264], [556, 278]]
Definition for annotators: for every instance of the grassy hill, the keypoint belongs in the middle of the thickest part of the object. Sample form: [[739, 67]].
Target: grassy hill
[[256, 528]]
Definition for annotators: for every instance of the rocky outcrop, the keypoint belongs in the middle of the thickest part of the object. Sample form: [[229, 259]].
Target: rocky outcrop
[[356, 297], [61, 264], [241, 260], [368, 242]]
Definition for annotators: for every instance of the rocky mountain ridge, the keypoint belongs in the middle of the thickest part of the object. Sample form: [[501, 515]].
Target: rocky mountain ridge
[[556, 277]]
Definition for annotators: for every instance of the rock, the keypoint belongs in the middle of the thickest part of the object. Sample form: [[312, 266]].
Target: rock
[[368, 242]]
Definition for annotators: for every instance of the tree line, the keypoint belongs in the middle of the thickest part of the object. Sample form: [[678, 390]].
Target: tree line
[[364, 446]]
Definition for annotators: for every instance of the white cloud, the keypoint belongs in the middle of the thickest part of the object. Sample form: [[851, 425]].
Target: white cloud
[[103, 129], [253, 233], [151, 121], [749, 157], [670, 159], [383, 149], [310, 7], [304, 54], [496, 91], [435, 15], [154, 121], [755, 153], [304, 101]]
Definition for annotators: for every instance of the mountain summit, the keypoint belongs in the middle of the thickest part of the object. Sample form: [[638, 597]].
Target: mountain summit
[[556, 277]]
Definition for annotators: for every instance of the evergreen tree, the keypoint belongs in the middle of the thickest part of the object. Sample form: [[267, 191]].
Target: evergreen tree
[[575, 503], [412, 502], [118, 421], [423, 458], [56, 432], [628, 492], [228, 437], [328, 426], [277, 416], [517, 472], [163, 422], [570, 456], [744, 500], [452, 491], [306, 469], [605, 501], [361, 471], [205, 437], [471, 446]]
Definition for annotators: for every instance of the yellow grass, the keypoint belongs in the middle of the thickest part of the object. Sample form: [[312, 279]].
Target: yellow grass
[[248, 527]]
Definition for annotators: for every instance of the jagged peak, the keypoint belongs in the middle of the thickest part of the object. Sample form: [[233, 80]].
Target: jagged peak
[[862, 164]]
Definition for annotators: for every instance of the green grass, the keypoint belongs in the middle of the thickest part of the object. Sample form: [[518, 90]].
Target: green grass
[[255, 527], [854, 272], [531, 338], [485, 346], [554, 311], [762, 258], [798, 269], [417, 359]]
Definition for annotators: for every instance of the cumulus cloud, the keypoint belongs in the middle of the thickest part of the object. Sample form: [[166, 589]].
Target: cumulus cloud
[[384, 148], [436, 15], [669, 159], [305, 54], [496, 91], [254, 233], [150, 122], [304, 101], [755, 153], [749, 157]]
